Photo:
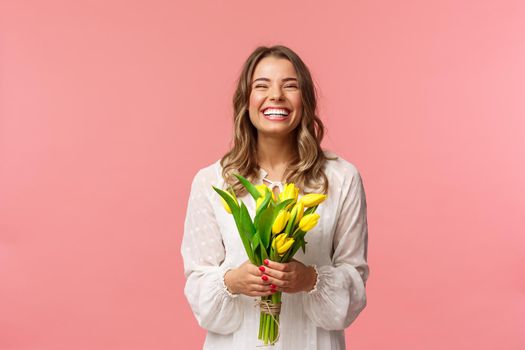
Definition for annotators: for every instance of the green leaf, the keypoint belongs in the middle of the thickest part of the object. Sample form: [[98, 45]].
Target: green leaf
[[232, 203], [246, 220], [264, 204], [256, 241], [310, 210], [243, 222], [273, 254], [261, 251], [264, 254], [258, 249], [246, 231], [283, 204], [230, 189], [263, 222], [290, 224], [249, 186]]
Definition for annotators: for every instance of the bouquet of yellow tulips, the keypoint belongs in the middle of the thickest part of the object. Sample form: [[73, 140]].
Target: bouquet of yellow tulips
[[276, 233]]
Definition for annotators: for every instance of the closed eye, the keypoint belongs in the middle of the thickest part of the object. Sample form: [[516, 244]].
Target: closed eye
[[288, 86]]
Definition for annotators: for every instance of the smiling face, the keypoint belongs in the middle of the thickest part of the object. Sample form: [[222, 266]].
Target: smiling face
[[275, 100]]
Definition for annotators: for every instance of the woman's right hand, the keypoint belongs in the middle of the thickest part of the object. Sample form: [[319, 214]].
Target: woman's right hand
[[247, 279]]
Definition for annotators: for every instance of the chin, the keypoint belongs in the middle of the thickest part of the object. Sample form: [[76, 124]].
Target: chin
[[276, 131]]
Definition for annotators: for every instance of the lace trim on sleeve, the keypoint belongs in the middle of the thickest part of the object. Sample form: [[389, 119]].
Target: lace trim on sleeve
[[225, 288], [314, 289]]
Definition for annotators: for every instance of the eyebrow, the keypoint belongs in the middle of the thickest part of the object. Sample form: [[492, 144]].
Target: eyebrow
[[283, 80]]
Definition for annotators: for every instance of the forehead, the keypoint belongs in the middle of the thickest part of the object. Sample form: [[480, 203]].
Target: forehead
[[274, 68]]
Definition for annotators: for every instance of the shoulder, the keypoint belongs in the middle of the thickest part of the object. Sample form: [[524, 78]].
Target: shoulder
[[208, 175], [340, 170]]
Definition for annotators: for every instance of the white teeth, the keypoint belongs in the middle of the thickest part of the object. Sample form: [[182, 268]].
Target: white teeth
[[270, 111]]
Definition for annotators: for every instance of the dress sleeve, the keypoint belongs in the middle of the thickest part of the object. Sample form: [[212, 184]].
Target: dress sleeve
[[203, 253], [339, 294]]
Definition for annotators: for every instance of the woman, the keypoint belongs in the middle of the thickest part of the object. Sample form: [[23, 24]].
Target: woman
[[277, 138]]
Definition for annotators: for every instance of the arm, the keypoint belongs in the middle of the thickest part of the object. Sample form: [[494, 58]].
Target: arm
[[339, 294], [214, 307]]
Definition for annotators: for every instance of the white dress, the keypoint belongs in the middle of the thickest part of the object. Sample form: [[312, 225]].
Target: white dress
[[337, 248]]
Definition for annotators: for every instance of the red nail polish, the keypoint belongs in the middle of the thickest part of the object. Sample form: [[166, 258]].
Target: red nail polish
[[265, 278], [273, 286], [261, 268], [273, 291], [265, 261]]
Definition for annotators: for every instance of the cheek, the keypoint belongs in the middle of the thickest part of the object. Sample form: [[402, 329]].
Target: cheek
[[299, 114], [255, 101], [298, 106], [298, 102]]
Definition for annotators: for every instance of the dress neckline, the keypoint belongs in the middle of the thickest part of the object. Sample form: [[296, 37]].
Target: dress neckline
[[271, 184], [263, 173]]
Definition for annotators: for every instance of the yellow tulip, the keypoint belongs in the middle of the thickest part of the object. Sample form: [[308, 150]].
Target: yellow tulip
[[280, 221], [298, 210], [263, 189], [308, 222], [312, 199], [225, 204], [277, 240], [282, 243], [290, 191], [286, 245]]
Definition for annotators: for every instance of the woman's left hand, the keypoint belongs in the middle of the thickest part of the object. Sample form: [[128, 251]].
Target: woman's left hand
[[290, 277]]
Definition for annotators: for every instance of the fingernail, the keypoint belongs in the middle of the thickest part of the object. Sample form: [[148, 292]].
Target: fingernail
[[265, 261], [265, 278], [273, 286], [261, 268], [273, 291]]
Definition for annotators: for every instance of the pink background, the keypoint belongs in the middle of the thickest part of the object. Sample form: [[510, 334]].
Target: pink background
[[108, 108]]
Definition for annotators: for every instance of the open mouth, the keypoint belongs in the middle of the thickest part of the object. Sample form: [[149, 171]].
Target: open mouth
[[276, 113]]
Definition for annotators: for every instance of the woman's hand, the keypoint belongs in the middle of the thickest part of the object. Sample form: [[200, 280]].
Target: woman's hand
[[247, 279], [291, 277]]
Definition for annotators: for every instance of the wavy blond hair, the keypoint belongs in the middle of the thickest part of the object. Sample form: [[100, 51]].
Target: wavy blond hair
[[306, 167]]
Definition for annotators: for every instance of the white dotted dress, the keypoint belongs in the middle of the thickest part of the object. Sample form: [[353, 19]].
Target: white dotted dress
[[337, 248]]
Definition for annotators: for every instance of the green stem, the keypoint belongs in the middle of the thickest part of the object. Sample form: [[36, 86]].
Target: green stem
[[261, 322], [272, 328], [276, 328], [294, 232], [266, 330]]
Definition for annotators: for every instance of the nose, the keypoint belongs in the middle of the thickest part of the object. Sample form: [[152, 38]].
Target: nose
[[276, 93]]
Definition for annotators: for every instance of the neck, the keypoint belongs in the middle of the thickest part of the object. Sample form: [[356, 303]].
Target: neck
[[274, 152]]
